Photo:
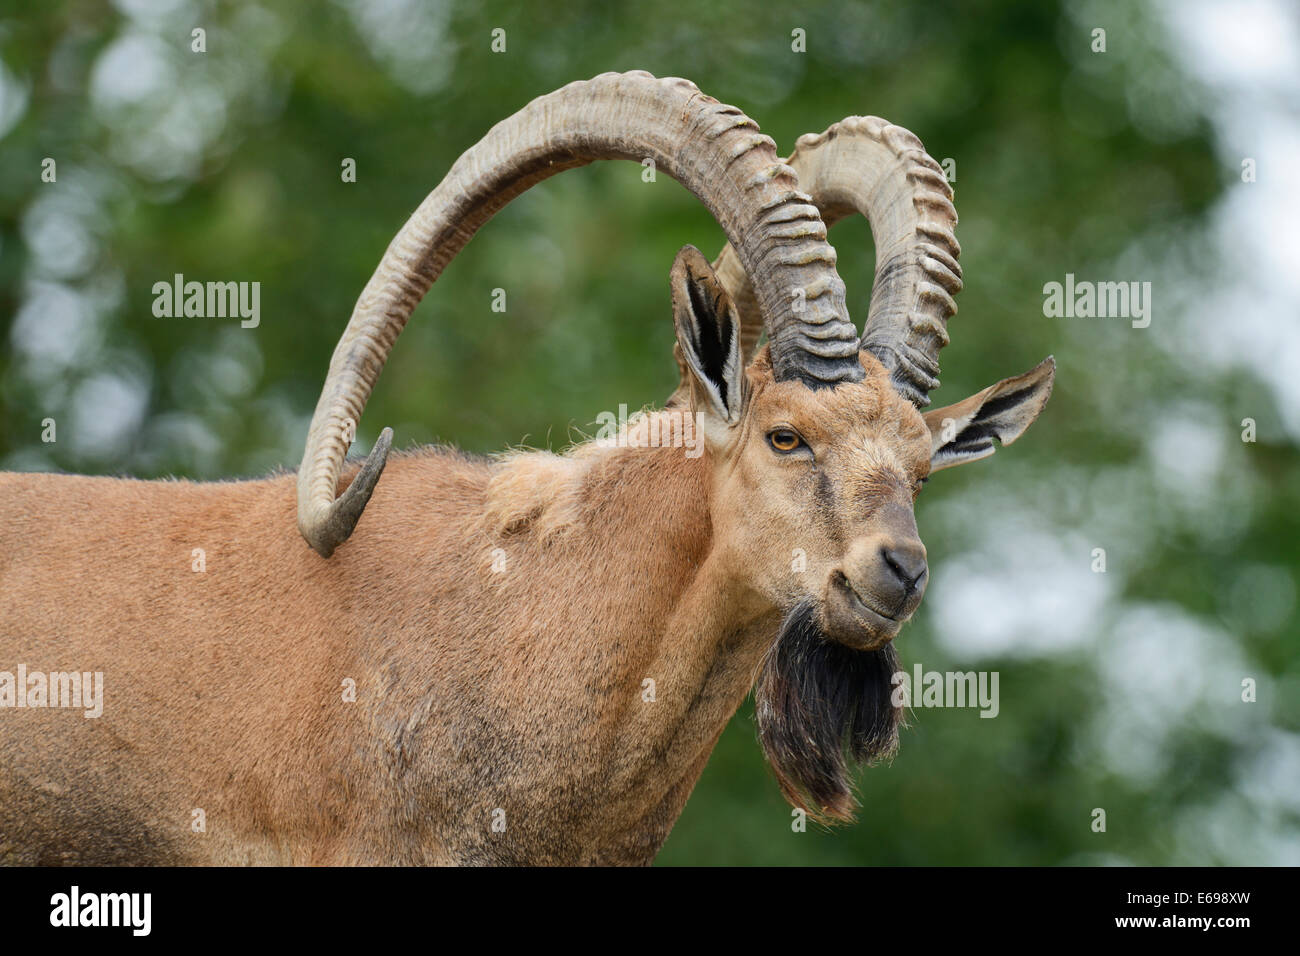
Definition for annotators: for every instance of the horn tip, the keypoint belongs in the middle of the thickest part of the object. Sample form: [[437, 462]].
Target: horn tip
[[339, 521]]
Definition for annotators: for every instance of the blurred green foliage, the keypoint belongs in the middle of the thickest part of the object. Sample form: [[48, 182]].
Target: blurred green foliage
[[226, 165]]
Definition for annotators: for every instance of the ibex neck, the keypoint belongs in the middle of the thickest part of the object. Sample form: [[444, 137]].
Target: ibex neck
[[605, 650]]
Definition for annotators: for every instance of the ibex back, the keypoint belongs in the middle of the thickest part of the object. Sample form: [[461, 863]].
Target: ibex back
[[528, 658]]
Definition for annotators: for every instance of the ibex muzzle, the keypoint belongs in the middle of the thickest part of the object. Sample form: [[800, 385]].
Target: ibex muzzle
[[880, 583]]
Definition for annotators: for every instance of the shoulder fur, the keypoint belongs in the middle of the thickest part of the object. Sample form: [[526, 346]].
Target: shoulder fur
[[542, 492]]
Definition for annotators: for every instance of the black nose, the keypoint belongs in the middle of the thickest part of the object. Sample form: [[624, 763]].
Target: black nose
[[907, 562]]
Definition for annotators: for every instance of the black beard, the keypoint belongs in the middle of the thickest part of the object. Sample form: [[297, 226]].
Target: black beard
[[821, 705]]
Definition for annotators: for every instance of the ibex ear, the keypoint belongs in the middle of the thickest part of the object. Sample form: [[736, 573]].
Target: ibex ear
[[965, 431], [708, 334]]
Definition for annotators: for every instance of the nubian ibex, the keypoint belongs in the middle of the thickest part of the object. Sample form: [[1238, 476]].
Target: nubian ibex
[[527, 658]]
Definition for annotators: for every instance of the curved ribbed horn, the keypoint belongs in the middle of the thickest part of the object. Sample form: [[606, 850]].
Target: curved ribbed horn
[[714, 150], [864, 164]]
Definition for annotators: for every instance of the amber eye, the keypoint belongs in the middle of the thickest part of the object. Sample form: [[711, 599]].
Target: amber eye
[[784, 440]]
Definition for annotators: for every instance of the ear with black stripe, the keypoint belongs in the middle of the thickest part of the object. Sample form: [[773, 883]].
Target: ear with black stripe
[[708, 336], [965, 431]]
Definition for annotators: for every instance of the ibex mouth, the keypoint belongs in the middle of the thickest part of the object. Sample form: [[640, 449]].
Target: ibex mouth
[[861, 603], [851, 620]]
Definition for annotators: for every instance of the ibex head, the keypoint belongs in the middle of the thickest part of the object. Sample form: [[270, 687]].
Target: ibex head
[[814, 488], [818, 446], [820, 451]]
